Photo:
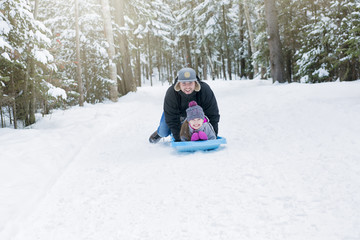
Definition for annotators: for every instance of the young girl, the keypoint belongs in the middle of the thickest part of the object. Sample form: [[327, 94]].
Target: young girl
[[196, 126]]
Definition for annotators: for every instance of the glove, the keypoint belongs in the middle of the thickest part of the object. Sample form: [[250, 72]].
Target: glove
[[195, 136], [203, 135], [199, 136]]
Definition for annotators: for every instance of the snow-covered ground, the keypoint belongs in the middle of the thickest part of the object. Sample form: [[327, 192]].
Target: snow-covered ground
[[290, 170]]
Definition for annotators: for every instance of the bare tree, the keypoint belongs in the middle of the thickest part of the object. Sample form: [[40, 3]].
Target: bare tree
[[241, 34], [207, 55], [276, 54], [226, 43], [111, 49], [251, 34], [130, 84], [78, 58]]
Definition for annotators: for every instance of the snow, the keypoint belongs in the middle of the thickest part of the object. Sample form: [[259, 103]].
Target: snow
[[43, 56], [5, 54], [321, 72], [4, 30], [5, 27], [290, 169], [39, 36], [56, 91]]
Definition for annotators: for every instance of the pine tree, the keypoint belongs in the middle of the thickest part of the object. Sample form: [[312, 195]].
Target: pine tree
[[24, 42]]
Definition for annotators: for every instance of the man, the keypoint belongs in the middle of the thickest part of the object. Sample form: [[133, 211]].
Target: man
[[187, 87]]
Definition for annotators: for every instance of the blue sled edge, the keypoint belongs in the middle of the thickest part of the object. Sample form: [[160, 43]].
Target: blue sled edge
[[192, 146]]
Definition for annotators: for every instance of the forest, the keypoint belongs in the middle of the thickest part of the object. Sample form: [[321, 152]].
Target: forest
[[58, 54]]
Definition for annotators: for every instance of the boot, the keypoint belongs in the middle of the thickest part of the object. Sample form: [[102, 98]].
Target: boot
[[154, 138]]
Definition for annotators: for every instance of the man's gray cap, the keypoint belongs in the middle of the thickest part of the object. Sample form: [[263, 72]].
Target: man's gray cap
[[187, 75]]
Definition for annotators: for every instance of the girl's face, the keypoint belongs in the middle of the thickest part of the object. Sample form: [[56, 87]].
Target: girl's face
[[196, 123]]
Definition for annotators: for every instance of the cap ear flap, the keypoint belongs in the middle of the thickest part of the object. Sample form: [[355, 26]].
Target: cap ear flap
[[177, 86], [197, 86]]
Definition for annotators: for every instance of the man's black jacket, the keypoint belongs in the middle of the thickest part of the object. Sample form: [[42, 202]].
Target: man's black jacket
[[176, 103]]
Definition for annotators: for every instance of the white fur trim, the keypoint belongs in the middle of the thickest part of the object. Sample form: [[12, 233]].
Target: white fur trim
[[197, 86]]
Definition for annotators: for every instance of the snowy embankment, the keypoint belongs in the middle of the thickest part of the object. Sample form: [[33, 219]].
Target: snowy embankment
[[290, 170]]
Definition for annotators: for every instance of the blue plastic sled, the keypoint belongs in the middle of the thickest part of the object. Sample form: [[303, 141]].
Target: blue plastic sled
[[193, 146]]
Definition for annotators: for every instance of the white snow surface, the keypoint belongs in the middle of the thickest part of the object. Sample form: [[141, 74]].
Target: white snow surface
[[290, 169]]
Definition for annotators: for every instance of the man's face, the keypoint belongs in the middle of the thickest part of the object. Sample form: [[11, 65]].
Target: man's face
[[187, 87]]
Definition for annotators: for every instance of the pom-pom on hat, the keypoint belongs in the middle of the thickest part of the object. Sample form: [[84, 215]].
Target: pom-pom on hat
[[194, 111]]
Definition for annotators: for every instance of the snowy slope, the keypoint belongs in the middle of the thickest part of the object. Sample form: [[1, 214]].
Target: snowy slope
[[290, 170]]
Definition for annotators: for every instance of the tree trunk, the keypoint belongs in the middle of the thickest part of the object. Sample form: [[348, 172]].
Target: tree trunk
[[276, 54], [223, 62], [121, 81], [78, 56], [241, 27], [226, 44], [26, 89], [288, 66], [32, 111], [150, 72], [251, 35], [158, 61], [13, 91], [130, 85], [87, 80], [2, 118], [33, 94], [29, 90], [205, 76], [250, 72], [207, 53], [188, 52], [111, 49], [138, 64]]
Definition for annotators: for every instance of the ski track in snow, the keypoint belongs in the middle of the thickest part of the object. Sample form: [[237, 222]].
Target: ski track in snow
[[290, 170]]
